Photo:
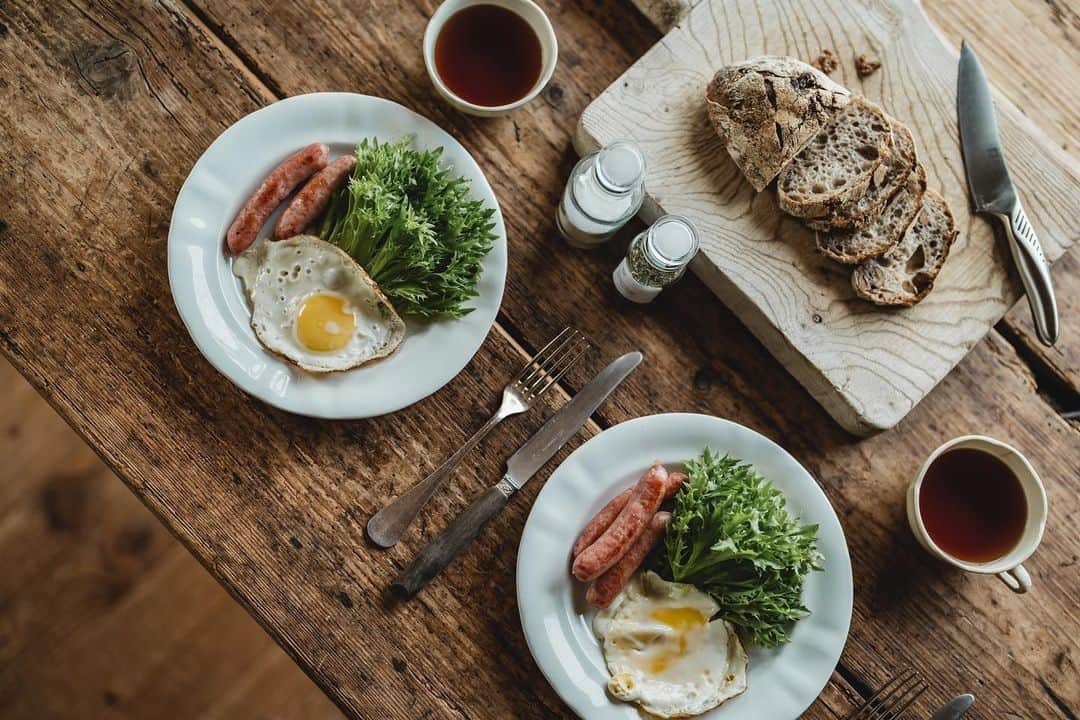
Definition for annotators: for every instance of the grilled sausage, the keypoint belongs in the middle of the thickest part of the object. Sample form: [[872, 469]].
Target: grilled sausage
[[281, 181], [602, 519], [313, 197], [608, 586], [624, 529]]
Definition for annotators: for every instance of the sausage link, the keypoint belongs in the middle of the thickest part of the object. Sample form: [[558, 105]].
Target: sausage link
[[608, 586], [281, 181], [602, 519], [313, 197], [624, 529]]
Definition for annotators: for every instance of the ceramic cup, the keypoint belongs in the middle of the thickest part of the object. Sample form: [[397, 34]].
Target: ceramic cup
[[525, 9], [1008, 567]]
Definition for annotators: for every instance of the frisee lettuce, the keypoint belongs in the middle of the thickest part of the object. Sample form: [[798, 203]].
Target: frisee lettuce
[[410, 223], [732, 536]]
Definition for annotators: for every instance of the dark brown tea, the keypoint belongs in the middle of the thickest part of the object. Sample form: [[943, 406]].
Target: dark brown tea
[[972, 505], [488, 55]]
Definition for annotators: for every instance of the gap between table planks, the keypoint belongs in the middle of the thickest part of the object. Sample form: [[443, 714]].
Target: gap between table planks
[[304, 485]]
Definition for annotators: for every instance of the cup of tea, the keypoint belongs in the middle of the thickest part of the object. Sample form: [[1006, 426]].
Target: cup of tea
[[978, 504], [488, 57]]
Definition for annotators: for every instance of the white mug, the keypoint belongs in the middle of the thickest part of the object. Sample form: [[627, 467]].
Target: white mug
[[1007, 567], [527, 10]]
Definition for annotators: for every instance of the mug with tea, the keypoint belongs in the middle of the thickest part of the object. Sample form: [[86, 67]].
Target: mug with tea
[[978, 504]]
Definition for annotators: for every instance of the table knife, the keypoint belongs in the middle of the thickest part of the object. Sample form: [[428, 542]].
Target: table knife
[[521, 466], [992, 191], [954, 708]]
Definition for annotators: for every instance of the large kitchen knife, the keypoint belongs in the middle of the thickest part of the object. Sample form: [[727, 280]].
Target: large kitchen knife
[[992, 191], [521, 466]]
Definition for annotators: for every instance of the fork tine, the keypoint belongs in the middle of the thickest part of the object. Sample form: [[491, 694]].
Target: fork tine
[[547, 354], [531, 363], [882, 693], [553, 360], [889, 699], [557, 362], [582, 348], [913, 693]]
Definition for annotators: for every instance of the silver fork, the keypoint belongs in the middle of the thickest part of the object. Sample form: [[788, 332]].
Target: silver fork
[[536, 378], [893, 698]]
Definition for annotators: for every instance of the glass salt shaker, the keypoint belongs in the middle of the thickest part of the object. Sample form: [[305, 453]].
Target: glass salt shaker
[[604, 191], [656, 258]]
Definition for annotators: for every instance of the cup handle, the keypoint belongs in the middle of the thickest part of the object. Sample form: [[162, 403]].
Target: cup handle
[[1017, 579]]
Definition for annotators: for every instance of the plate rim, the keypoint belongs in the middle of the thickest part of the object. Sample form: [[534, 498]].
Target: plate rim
[[202, 337], [848, 575]]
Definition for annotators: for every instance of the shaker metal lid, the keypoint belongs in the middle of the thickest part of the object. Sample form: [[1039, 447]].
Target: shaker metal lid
[[620, 166]]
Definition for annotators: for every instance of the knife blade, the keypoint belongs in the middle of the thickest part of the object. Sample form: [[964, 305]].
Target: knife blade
[[521, 466], [954, 708], [993, 192]]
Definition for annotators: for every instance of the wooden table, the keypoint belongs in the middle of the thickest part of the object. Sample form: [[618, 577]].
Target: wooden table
[[106, 105]]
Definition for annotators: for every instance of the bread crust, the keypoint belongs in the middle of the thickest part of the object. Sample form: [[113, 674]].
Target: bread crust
[[767, 109]]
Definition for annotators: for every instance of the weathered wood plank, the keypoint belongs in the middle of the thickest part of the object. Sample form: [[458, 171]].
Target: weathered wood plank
[[105, 614]]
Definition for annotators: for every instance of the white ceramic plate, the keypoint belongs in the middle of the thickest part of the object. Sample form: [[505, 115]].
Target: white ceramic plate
[[558, 623], [211, 300]]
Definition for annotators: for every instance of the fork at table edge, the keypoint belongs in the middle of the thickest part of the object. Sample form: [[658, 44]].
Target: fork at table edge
[[538, 375]]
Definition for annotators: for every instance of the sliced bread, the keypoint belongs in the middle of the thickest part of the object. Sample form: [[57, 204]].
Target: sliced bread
[[905, 274], [855, 246], [767, 109], [886, 181], [836, 167]]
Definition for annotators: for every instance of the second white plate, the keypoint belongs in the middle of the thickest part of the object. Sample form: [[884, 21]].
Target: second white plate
[[558, 623]]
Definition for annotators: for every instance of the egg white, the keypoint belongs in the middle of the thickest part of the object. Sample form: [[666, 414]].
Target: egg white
[[663, 652], [280, 275]]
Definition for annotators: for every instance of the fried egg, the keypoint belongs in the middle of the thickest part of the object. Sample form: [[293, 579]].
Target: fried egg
[[665, 653], [311, 303]]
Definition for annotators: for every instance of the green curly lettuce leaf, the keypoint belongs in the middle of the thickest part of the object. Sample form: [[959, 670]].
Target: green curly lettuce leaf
[[732, 536], [409, 222]]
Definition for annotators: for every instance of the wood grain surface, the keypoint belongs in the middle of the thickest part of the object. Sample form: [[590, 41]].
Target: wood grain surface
[[104, 615], [867, 366], [105, 107]]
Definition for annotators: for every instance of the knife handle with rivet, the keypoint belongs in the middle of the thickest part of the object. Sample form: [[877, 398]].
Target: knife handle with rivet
[[1034, 273], [441, 551]]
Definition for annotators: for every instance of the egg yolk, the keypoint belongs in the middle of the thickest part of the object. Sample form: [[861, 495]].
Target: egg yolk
[[323, 324], [681, 619]]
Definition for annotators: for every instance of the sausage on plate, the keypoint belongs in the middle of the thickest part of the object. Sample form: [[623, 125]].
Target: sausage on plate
[[603, 519], [608, 586], [281, 181], [624, 529], [313, 197]]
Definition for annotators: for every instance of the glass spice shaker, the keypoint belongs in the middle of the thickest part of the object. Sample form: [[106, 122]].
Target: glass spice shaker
[[604, 191], [656, 258]]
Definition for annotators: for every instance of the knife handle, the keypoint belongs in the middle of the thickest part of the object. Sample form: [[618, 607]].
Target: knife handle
[[461, 531], [1034, 273]]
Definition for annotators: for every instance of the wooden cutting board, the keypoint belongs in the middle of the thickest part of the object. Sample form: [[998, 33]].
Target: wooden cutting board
[[866, 365]]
